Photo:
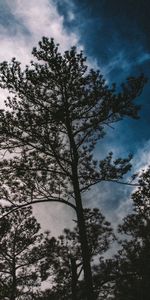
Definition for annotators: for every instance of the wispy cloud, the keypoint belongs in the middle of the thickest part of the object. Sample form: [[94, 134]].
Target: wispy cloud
[[38, 18], [41, 17], [142, 157], [123, 63]]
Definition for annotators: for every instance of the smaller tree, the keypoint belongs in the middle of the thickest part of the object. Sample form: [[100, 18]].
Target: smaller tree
[[134, 256], [21, 254], [127, 274], [68, 271]]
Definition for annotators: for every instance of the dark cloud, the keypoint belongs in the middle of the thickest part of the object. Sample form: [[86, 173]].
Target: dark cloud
[[116, 34], [113, 31]]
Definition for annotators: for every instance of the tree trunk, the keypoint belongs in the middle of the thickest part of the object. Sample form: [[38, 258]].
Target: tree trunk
[[13, 288], [79, 209], [83, 239], [74, 278], [13, 291]]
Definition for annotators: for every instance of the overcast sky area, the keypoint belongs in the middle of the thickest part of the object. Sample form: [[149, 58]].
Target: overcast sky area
[[115, 37]]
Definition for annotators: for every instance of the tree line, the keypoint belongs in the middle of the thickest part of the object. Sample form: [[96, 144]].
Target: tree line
[[35, 265], [56, 113]]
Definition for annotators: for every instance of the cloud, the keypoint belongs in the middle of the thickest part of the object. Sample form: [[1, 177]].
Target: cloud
[[31, 20], [142, 157], [113, 200], [122, 64], [41, 17], [67, 7], [54, 217]]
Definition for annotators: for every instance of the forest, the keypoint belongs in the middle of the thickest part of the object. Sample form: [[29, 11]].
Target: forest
[[56, 113]]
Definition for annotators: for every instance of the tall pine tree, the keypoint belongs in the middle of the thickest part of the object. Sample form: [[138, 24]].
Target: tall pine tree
[[57, 111]]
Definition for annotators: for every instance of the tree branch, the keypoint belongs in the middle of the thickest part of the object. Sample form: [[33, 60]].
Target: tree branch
[[39, 201]]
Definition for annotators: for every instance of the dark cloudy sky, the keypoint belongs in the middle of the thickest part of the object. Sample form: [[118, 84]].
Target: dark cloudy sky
[[115, 37]]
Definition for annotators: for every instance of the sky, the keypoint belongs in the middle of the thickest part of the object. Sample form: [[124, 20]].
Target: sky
[[114, 35]]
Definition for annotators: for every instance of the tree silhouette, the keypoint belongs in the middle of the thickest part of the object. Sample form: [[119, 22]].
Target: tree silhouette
[[127, 274], [21, 253], [134, 256], [68, 277], [57, 111]]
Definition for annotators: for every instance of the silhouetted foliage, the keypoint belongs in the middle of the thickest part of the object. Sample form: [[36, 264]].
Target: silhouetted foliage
[[68, 272], [126, 276], [134, 256], [21, 255], [57, 111]]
